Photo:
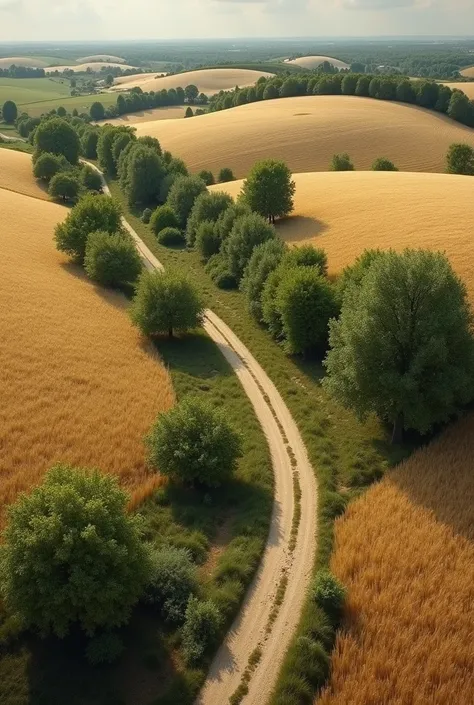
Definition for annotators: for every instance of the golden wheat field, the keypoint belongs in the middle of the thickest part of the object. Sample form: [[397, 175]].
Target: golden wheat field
[[92, 65], [16, 174], [467, 88], [348, 212], [312, 62], [469, 72], [107, 58], [405, 551], [168, 113], [306, 132], [78, 384], [31, 61], [209, 81]]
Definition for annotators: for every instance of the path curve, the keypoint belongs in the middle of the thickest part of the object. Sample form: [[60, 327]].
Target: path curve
[[289, 457]]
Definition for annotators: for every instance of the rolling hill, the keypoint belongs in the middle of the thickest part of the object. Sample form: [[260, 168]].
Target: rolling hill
[[16, 174], [306, 132], [101, 57], [209, 81], [466, 87], [92, 65], [347, 212], [312, 62], [469, 72], [31, 61]]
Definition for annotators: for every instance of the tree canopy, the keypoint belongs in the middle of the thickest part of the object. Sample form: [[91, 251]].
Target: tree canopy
[[248, 232], [112, 259], [9, 112], [182, 196], [56, 136], [460, 160], [269, 189]]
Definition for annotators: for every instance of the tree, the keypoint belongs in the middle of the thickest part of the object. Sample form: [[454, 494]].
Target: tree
[[207, 241], [173, 581], [144, 175], [56, 136], [165, 303], [248, 232], [91, 214], [363, 87], [200, 630], [9, 112], [307, 256], [405, 92], [89, 142], [97, 111], [182, 196], [207, 177], [109, 80], [121, 105], [91, 179], [271, 91], [461, 108], [105, 156], [171, 237], [264, 260], [191, 92], [306, 302], [47, 166], [163, 217], [225, 175], [460, 160], [269, 189], [341, 162], [73, 555], [62, 112], [194, 443], [64, 186], [119, 143], [427, 94], [112, 259], [349, 84], [227, 218], [383, 164], [188, 112], [403, 345], [208, 207]]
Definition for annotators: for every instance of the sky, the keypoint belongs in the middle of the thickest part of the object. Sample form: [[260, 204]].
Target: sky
[[171, 19]]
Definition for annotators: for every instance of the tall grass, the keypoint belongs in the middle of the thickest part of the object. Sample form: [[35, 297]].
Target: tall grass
[[405, 551]]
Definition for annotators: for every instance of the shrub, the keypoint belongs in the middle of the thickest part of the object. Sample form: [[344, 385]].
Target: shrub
[[171, 237], [207, 177], [310, 661], [225, 175], [307, 256], [89, 142], [341, 162], [91, 179], [64, 186], [163, 217], [72, 555], [200, 630], [97, 111], [104, 648], [248, 232], [146, 216], [226, 220], [56, 136], [383, 164], [218, 270], [165, 303], [194, 443], [91, 214], [173, 581], [460, 159], [182, 196], [207, 207], [329, 595], [112, 260], [264, 260], [9, 112], [269, 189], [48, 165], [207, 240]]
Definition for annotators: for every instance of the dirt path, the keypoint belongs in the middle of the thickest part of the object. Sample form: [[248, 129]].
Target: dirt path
[[284, 557]]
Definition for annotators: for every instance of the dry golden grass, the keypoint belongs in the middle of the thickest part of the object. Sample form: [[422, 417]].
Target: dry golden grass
[[348, 212], [468, 88], [306, 132], [469, 72], [312, 62], [169, 113], [93, 65], [16, 174], [209, 81], [78, 385], [106, 58], [22, 61], [405, 551]]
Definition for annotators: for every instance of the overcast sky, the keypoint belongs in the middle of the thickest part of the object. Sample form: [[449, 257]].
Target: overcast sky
[[169, 19]]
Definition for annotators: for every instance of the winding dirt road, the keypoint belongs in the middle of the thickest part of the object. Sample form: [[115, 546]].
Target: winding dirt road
[[284, 556]]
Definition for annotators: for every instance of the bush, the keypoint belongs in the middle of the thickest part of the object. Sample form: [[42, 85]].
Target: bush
[[208, 242], [218, 270], [329, 595], [112, 260], [171, 237], [383, 164], [72, 555], [163, 217], [225, 175], [91, 214], [91, 179], [194, 443], [146, 216], [64, 186], [248, 232], [207, 177], [307, 256], [104, 648], [97, 111], [173, 581], [48, 165], [460, 160], [334, 505], [207, 207], [264, 260], [56, 136], [89, 142], [341, 162], [226, 220], [200, 630], [165, 303]]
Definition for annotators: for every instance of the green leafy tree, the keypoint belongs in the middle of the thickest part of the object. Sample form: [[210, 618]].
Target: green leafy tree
[[271, 91], [264, 260], [112, 260], [151, 142], [97, 111], [200, 630], [461, 108], [47, 165], [165, 303], [405, 92], [191, 92], [225, 175], [248, 232], [269, 189], [183, 195], [194, 443], [460, 159], [173, 581], [305, 301], [72, 555], [56, 136], [119, 143], [207, 177], [427, 94], [208, 242], [403, 346], [227, 218], [171, 237], [109, 80], [341, 162], [89, 142], [163, 217], [354, 273], [144, 175], [91, 179], [107, 135], [208, 207], [64, 186], [383, 164], [363, 87], [307, 256], [188, 113], [62, 112], [9, 112], [349, 84], [91, 214]]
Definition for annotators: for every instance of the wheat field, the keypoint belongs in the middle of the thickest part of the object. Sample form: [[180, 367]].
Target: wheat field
[[168, 113], [107, 58], [209, 81], [469, 72], [93, 65], [16, 174], [405, 552], [78, 384], [306, 132], [348, 212], [312, 62], [467, 88]]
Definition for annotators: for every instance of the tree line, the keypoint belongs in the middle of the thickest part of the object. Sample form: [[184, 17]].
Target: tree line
[[22, 72], [426, 94]]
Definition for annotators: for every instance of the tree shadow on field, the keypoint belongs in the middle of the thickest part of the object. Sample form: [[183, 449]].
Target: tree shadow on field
[[299, 228], [118, 298], [440, 477], [194, 355]]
